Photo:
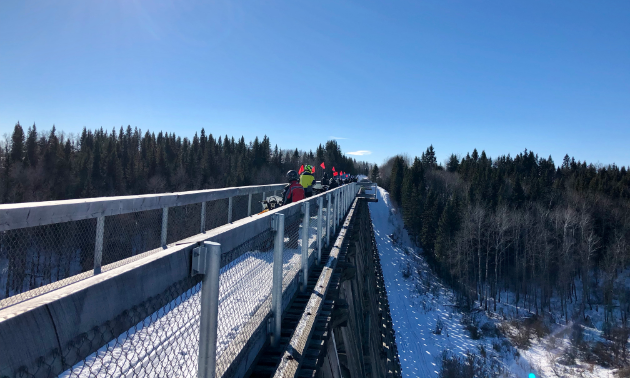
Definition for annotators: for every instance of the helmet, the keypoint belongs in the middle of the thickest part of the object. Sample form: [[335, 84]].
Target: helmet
[[308, 168], [292, 175]]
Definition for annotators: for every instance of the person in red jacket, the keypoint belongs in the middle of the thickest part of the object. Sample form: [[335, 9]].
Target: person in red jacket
[[294, 191]]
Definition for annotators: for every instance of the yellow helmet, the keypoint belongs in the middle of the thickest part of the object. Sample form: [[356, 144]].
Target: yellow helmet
[[308, 168]]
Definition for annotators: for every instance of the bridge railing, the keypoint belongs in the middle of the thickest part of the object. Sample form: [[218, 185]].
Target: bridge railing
[[47, 245], [204, 305]]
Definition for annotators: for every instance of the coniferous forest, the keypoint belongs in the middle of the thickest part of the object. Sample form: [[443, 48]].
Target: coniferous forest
[[36, 166], [521, 230]]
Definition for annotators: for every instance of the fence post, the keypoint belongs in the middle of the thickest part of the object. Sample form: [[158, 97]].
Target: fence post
[[98, 246], [209, 311], [339, 206], [277, 221], [249, 205], [334, 212], [230, 210], [349, 196], [203, 217], [320, 204], [264, 198], [337, 209], [164, 225], [306, 208], [328, 211]]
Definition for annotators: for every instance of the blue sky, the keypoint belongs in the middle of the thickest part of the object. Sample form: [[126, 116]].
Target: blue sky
[[390, 77]]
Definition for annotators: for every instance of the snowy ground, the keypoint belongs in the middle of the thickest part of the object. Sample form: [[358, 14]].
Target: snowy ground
[[165, 344], [418, 301]]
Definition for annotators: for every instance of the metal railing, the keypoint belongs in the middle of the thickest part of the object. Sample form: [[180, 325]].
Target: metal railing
[[48, 245], [203, 305]]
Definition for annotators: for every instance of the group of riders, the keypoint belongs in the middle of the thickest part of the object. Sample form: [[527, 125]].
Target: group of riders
[[301, 185]]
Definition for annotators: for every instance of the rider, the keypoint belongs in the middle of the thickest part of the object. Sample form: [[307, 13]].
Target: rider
[[293, 192], [333, 184], [306, 180], [325, 179]]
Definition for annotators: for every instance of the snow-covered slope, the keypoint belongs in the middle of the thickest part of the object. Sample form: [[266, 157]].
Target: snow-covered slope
[[418, 302]]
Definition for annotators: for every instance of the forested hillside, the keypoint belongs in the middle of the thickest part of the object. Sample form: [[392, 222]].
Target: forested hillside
[[46, 166], [555, 238]]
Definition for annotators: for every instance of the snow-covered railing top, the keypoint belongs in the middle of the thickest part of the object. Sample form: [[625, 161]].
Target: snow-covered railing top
[[30, 214]]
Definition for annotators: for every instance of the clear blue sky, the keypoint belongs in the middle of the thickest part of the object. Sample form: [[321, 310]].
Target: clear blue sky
[[551, 76]]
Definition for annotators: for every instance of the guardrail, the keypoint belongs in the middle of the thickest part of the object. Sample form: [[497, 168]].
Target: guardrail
[[203, 305], [48, 245]]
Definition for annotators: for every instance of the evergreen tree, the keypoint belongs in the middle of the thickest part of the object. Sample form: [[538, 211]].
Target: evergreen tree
[[453, 163], [17, 144], [396, 179], [374, 174]]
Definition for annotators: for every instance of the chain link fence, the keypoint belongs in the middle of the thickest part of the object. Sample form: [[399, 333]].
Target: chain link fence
[[292, 253], [37, 260], [161, 339], [42, 258], [244, 296], [165, 342]]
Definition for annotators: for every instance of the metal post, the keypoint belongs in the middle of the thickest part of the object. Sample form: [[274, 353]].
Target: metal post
[[209, 311], [230, 210], [348, 196], [328, 210], [337, 209], [98, 246], [343, 205], [334, 212], [276, 291], [320, 204], [203, 217], [306, 208], [264, 198], [249, 205], [340, 208], [164, 225]]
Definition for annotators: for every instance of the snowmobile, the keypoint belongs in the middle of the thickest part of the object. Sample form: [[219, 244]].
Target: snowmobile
[[319, 188], [270, 203]]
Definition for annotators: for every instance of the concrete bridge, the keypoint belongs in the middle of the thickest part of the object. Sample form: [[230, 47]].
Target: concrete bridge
[[194, 284]]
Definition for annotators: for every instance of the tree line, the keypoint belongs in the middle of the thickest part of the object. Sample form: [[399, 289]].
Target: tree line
[[557, 238], [36, 166]]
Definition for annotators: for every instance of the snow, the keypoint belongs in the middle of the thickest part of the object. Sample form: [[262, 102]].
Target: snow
[[165, 343], [419, 300]]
